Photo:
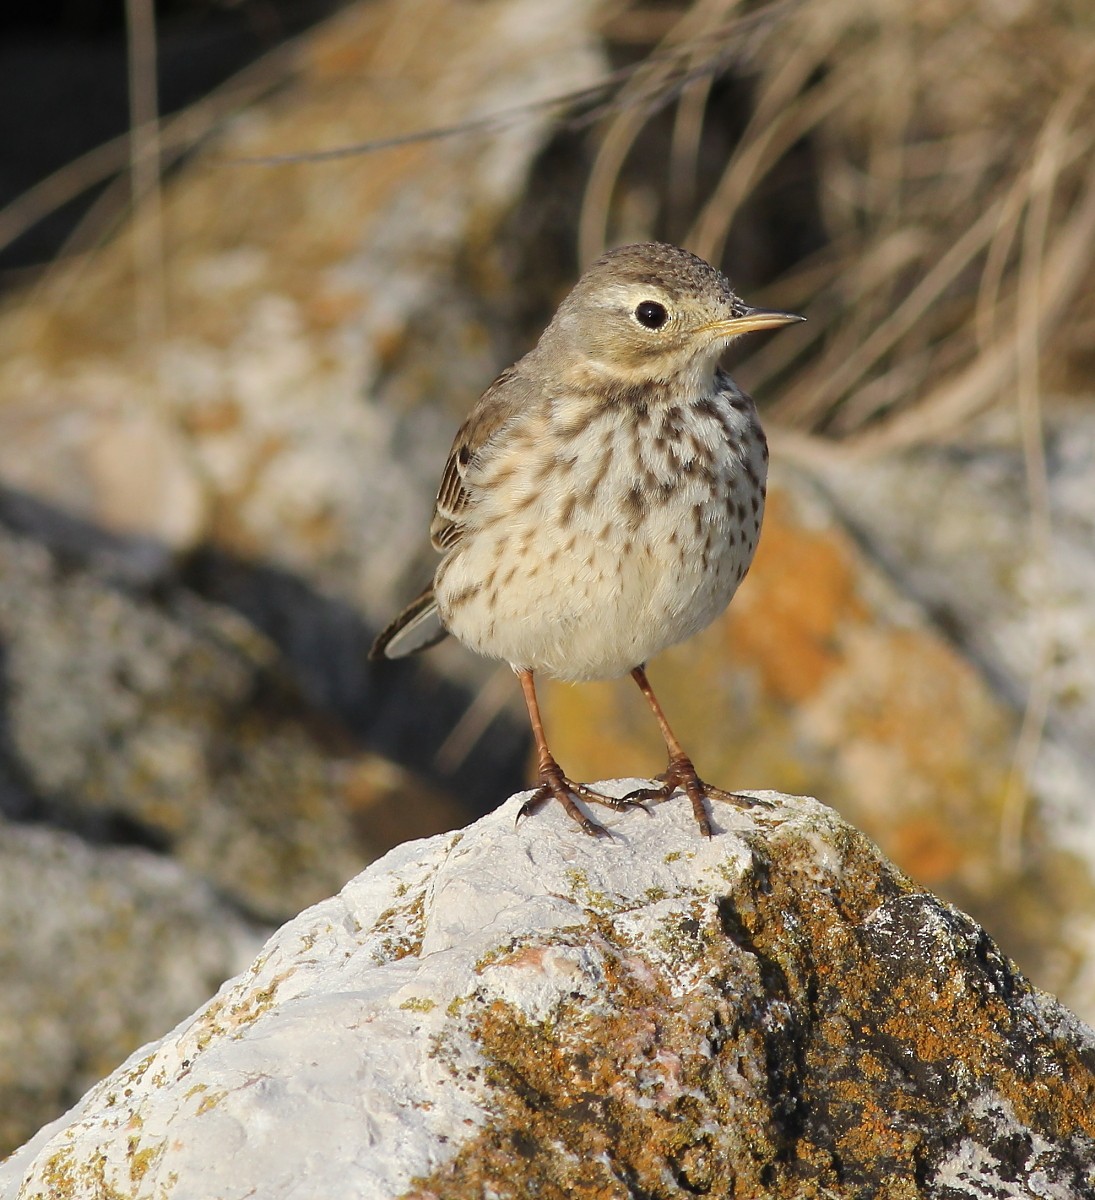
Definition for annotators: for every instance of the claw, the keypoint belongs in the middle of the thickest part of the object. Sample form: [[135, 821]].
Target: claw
[[639, 796], [681, 774], [555, 784]]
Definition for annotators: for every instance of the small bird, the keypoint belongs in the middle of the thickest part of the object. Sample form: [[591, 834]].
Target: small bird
[[603, 499]]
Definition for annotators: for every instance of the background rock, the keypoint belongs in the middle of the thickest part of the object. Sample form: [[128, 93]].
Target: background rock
[[525, 1010], [169, 725], [103, 947]]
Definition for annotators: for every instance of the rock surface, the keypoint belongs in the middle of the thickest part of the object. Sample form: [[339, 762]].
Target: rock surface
[[520, 1010], [169, 722], [102, 949]]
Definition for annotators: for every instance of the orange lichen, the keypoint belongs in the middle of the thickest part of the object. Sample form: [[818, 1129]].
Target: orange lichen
[[840, 1027], [802, 589]]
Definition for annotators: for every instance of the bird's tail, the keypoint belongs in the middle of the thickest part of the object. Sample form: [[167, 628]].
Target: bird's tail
[[416, 628]]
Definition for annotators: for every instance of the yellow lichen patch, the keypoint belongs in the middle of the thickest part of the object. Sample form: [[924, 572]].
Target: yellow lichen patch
[[209, 1101], [232, 1013], [418, 1004], [400, 929], [141, 1158], [581, 890], [66, 1177], [1046, 1079]]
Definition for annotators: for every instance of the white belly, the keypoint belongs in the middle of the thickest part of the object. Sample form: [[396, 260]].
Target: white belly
[[590, 570]]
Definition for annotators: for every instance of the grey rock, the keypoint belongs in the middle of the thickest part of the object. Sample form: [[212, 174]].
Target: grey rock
[[953, 524], [100, 949]]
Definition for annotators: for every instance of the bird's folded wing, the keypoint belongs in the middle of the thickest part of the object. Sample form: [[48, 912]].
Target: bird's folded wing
[[497, 407]]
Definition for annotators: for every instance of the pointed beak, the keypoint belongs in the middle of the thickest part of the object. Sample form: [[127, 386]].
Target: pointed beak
[[750, 321]]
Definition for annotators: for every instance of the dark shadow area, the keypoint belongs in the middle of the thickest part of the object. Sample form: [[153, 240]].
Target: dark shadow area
[[63, 86], [18, 799], [75, 544], [403, 711], [21, 802]]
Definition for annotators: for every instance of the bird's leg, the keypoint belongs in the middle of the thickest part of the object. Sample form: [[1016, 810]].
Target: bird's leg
[[680, 772], [552, 780]]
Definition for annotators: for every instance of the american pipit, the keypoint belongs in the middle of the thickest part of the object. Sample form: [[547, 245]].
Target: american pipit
[[604, 498]]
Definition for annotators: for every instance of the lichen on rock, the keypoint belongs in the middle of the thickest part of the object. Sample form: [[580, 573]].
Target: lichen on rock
[[521, 1010]]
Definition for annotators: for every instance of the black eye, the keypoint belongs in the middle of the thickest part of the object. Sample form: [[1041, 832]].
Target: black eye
[[651, 314]]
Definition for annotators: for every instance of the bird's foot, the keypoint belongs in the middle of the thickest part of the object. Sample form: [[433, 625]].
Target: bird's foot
[[682, 774], [554, 783]]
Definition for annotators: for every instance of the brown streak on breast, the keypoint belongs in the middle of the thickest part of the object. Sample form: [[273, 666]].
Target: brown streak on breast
[[603, 468], [634, 508], [460, 598]]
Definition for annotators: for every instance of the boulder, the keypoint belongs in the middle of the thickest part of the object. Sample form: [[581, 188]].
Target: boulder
[[166, 797], [103, 948], [158, 719], [517, 1009]]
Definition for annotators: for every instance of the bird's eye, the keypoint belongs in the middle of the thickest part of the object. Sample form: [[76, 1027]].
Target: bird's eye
[[651, 315]]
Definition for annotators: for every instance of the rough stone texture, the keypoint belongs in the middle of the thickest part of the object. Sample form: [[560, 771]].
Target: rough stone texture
[[170, 723], [100, 950], [513, 1011]]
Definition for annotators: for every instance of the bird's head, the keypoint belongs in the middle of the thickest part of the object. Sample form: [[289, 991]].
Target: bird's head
[[650, 313]]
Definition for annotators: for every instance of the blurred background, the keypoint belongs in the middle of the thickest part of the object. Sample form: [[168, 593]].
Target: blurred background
[[257, 260]]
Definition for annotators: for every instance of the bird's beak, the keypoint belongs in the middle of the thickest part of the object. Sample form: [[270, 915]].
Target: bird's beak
[[750, 321]]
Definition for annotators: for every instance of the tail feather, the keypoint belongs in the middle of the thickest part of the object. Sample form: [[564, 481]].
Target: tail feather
[[416, 628]]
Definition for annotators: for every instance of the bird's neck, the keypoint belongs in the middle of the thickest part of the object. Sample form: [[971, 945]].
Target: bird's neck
[[599, 384]]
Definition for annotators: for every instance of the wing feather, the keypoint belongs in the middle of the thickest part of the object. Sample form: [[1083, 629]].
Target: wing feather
[[499, 405], [416, 628]]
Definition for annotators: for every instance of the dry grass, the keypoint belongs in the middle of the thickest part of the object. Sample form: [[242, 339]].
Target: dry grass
[[953, 151], [953, 177]]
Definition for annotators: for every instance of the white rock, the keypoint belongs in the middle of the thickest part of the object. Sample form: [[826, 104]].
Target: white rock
[[334, 1067]]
